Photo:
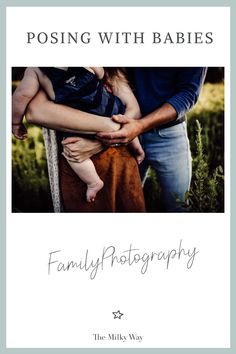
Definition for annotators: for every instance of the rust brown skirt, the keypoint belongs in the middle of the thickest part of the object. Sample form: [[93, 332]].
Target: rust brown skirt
[[122, 191]]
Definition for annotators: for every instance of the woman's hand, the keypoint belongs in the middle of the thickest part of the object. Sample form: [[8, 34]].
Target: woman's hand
[[77, 149], [129, 130]]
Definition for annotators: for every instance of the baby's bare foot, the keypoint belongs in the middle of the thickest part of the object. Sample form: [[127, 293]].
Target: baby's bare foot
[[92, 190]]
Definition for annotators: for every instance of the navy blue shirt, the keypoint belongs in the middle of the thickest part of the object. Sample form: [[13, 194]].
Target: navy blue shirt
[[178, 86]]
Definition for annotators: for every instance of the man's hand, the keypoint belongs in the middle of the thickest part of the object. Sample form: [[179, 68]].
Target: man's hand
[[19, 131], [77, 149], [129, 130]]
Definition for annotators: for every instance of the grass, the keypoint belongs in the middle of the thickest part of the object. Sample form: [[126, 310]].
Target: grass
[[30, 186]]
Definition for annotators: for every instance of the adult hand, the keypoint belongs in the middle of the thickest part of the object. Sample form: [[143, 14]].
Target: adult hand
[[129, 130], [77, 149]]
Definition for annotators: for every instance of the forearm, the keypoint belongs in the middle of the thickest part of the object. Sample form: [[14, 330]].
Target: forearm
[[133, 112], [124, 92], [132, 107], [46, 113], [163, 115]]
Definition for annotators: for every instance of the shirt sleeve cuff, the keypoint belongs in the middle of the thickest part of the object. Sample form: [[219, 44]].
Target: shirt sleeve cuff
[[178, 106]]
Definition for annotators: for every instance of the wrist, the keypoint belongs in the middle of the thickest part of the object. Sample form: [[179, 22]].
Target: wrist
[[141, 126]]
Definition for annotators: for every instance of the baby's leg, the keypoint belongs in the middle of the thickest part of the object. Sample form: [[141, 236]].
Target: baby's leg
[[88, 174]]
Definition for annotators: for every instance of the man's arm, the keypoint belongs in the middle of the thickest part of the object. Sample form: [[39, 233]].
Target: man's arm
[[189, 83], [132, 128], [188, 86]]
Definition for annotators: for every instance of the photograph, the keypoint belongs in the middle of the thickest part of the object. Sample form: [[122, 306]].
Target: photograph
[[118, 177], [118, 139]]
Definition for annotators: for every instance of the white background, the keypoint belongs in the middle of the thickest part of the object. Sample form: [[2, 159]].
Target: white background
[[169, 308]]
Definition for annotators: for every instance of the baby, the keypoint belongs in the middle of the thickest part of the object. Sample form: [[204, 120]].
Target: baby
[[90, 89]]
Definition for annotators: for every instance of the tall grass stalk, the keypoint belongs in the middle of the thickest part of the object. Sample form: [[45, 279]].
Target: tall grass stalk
[[207, 190]]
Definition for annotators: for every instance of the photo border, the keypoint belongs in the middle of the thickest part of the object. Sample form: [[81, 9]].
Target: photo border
[[134, 3]]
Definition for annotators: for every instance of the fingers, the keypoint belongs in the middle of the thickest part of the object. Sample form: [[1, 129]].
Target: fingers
[[119, 118], [70, 148], [70, 152], [140, 159], [72, 159], [70, 140]]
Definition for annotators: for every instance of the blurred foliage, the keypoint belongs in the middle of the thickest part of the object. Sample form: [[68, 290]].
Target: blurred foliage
[[207, 189], [209, 111], [30, 187], [29, 168]]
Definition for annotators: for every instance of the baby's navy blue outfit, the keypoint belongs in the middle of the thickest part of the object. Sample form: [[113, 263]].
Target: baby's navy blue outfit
[[81, 89]]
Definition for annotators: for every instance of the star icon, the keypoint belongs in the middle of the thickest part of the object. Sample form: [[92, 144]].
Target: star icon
[[117, 314]]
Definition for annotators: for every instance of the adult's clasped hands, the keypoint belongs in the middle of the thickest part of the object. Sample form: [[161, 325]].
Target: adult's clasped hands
[[130, 128], [77, 149]]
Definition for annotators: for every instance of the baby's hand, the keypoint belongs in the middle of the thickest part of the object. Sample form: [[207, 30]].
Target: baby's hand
[[19, 131], [138, 153], [139, 156]]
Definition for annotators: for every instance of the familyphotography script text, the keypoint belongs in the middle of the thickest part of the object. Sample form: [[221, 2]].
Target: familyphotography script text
[[111, 257]]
